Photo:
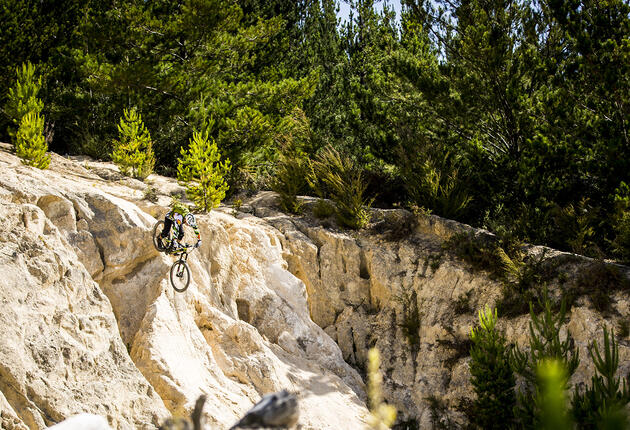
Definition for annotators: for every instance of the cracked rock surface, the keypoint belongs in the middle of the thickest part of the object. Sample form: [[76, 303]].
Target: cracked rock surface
[[91, 324]]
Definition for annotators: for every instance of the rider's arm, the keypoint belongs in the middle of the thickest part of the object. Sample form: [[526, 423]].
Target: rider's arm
[[196, 230]]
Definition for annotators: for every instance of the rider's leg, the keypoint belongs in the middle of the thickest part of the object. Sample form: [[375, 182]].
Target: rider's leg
[[168, 222], [178, 228]]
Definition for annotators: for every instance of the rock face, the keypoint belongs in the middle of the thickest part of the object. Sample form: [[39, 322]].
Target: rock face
[[365, 289], [91, 324]]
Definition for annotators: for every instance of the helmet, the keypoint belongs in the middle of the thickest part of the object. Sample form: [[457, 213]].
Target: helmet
[[190, 220]]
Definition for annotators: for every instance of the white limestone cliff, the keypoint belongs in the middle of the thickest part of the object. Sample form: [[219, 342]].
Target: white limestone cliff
[[91, 324]]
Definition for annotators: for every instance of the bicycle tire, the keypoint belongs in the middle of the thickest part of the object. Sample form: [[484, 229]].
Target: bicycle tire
[[157, 231], [180, 283]]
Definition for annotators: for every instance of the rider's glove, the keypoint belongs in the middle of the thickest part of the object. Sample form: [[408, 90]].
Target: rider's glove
[[198, 244]]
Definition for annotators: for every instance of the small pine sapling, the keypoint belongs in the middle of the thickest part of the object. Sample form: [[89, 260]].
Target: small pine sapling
[[491, 375], [133, 152], [551, 382], [545, 343], [22, 97], [603, 404], [30, 144], [202, 172]]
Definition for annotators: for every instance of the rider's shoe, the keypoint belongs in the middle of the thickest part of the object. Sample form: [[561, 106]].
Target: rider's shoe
[[174, 246]]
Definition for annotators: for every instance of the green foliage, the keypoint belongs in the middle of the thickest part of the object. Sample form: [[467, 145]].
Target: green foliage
[[621, 241], [150, 194], [203, 173], [323, 209], [290, 181], [437, 187], [491, 375], [382, 415], [292, 167], [545, 343], [23, 98], [133, 151], [551, 381], [506, 114], [30, 144], [337, 176], [602, 405], [23, 107], [546, 369], [576, 226]]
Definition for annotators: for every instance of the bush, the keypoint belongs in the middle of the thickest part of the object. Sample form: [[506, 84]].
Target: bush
[[435, 185], [337, 176], [575, 224], [133, 152], [30, 144], [491, 375], [323, 209], [289, 181], [200, 169]]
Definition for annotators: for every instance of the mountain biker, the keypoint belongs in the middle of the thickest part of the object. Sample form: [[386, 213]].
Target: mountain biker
[[177, 217]]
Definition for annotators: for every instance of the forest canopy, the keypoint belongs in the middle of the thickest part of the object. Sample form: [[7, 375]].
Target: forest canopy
[[509, 115]]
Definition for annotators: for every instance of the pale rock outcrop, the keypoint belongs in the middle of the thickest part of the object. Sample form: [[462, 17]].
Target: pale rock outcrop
[[60, 352], [363, 288], [94, 326]]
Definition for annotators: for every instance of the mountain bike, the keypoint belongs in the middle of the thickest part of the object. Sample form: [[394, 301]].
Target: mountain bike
[[180, 272]]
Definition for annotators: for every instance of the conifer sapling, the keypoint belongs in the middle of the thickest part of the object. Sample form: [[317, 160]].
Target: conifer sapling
[[133, 152], [203, 173]]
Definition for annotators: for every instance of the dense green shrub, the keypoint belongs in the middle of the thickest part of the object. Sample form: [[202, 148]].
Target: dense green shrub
[[203, 173], [434, 185], [323, 209], [290, 181], [491, 375], [133, 151], [337, 176]]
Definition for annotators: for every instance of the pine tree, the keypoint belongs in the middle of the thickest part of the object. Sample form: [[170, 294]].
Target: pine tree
[[491, 375], [23, 97], [133, 152], [30, 144], [203, 173]]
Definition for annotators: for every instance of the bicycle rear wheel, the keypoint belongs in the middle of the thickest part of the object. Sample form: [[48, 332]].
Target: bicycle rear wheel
[[157, 240], [180, 276]]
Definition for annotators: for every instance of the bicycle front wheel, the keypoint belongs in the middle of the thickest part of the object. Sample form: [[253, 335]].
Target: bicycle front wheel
[[180, 276]]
